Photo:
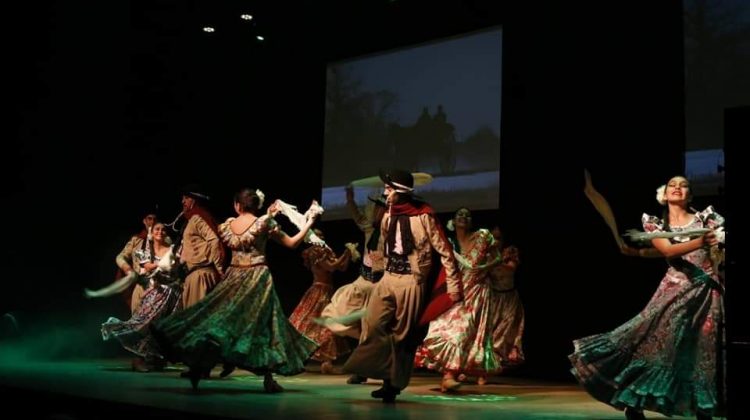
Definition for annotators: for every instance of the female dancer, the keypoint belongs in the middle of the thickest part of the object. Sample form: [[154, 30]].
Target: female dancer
[[241, 322], [665, 358]]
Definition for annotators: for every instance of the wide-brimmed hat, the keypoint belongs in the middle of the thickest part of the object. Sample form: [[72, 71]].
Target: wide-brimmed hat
[[195, 191]]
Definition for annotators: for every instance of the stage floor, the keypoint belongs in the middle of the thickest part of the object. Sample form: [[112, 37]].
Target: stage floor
[[110, 385]]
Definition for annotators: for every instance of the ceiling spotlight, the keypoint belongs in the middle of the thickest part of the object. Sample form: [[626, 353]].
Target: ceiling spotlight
[[208, 29], [259, 38], [246, 17]]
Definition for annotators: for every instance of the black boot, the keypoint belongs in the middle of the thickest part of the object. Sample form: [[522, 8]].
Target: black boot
[[228, 369], [700, 415], [270, 385], [207, 355], [387, 392], [195, 376], [633, 414]]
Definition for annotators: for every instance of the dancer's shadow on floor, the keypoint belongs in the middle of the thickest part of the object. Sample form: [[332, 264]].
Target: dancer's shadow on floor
[[376, 403], [187, 390], [129, 368]]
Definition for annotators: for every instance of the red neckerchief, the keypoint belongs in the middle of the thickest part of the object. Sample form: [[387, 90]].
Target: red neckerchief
[[400, 220], [410, 209]]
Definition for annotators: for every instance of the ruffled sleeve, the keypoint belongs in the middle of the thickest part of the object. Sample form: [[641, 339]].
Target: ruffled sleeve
[[710, 218], [652, 223], [485, 238], [486, 244], [227, 236], [713, 220]]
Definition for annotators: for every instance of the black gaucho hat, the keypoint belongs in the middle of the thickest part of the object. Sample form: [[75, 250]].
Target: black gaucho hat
[[196, 191], [401, 181]]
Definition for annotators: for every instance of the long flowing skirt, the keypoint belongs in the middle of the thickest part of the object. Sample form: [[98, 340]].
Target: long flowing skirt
[[134, 334], [241, 323], [310, 307], [476, 336], [664, 359]]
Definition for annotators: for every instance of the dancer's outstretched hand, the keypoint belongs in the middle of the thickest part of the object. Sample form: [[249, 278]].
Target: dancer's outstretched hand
[[273, 209]]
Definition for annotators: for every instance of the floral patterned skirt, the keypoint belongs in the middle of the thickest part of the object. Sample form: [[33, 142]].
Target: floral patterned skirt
[[241, 323], [134, 335], [310, 307], [477, 336], [664, 359]]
